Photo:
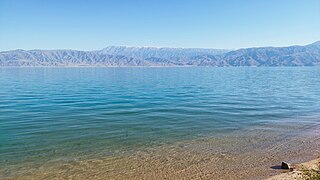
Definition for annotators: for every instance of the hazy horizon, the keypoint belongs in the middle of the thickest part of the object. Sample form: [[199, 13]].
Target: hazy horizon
[[162, 47]]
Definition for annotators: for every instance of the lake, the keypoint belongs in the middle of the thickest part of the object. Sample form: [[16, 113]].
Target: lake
[[160, 122]]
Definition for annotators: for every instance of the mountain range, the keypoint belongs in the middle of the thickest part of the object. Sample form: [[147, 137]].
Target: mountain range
[[308, 55]]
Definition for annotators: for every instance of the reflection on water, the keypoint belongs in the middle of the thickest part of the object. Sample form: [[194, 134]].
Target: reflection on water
[[62, 115]]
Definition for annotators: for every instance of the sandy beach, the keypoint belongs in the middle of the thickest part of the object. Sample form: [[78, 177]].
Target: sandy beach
[[297, 172]]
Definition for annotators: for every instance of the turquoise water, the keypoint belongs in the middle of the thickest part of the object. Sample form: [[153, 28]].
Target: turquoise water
[[73, 113]]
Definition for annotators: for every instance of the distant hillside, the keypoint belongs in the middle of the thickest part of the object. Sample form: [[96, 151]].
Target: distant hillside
[[274, 56], [150, 52], [308, 55]]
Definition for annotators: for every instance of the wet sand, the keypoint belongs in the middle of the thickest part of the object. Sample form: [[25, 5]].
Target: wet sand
[[243, 157]]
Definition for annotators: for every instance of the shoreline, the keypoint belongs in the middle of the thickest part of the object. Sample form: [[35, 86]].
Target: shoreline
[[297, 172], [210, 158]]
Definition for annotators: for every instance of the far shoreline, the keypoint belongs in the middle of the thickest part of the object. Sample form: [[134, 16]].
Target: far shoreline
[[7, 67]]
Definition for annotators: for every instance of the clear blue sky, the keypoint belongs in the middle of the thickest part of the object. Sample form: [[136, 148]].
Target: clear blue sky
[[94, 24]]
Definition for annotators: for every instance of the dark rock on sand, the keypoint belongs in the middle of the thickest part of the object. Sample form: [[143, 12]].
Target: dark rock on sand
[[285, 165]]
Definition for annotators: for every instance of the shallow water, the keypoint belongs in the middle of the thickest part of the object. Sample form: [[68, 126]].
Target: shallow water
[[63, 115]]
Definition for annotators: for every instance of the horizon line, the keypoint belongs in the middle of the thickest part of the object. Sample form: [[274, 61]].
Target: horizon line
[[159, 47]]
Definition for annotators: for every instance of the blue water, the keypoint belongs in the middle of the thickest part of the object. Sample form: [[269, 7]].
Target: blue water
[[74, 113]]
